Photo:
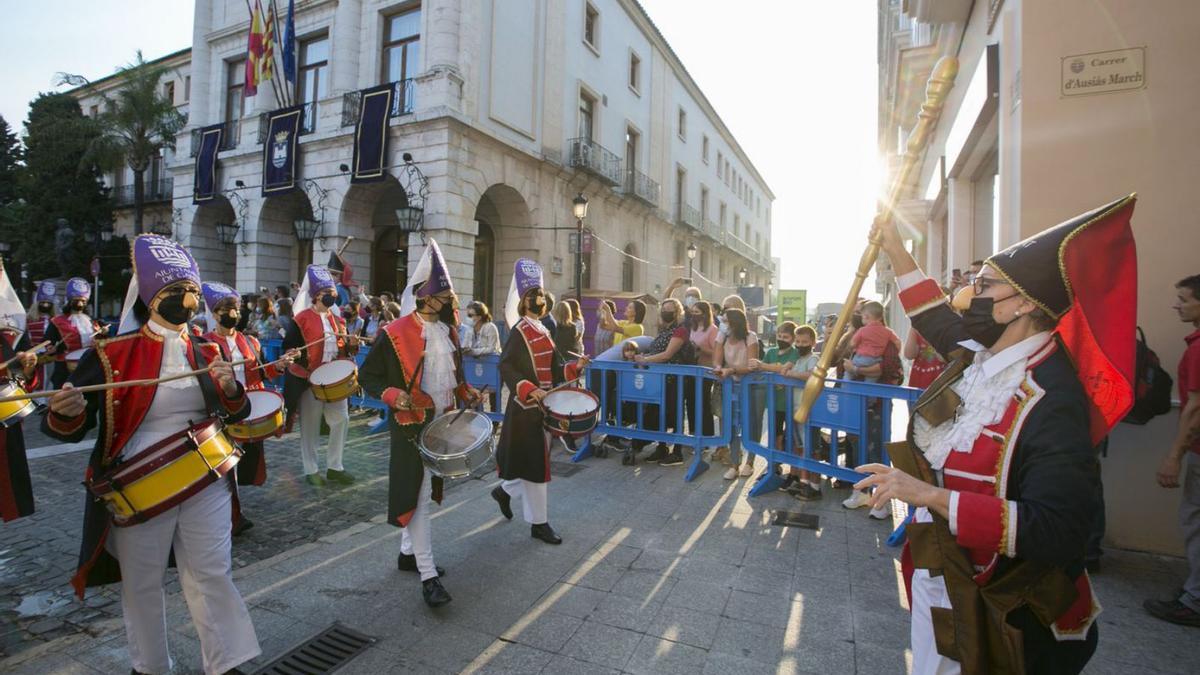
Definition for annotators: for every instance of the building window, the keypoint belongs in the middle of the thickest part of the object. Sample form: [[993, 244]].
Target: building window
[[312, 83], [635, 73], [722, 216], [235, 84], [682, 124], [679, 252], [680, 192], [703, 262], [402, 46], [587, 111], [720, 267], [187, 88], [720, 163], [703, 204], [631, 148], [737, 225], [94, 112], [591, 26], [757, 241], [169, 92], [704, 149]]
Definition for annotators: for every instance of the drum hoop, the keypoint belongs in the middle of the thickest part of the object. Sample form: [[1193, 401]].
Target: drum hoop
[[218, 472], [422, 448], [251, 420], [338, 363], [572, 416], [205, 431]]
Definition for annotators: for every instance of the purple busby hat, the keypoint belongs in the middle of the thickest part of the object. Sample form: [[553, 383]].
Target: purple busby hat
[[159, 262], [78, 288], [46, 292], [438, 280], [528, 275], [319, 279], [215, 292]]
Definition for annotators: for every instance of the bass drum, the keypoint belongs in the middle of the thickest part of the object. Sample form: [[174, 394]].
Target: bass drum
[[453, 446]]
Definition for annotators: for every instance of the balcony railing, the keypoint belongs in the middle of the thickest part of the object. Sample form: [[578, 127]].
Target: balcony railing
[[687, 216], [639, 186], [586, 154], [229, 139], [403, 98], [308, 121], [711, 229], [741, 248], [154, 191]]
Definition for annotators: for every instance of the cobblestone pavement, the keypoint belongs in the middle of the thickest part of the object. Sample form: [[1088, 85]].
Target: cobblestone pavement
[[38, 554]]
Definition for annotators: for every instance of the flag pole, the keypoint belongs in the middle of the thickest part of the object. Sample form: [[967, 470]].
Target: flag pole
[[274, 52]]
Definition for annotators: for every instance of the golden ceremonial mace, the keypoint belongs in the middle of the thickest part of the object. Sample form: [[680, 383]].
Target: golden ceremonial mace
[[941, 80]]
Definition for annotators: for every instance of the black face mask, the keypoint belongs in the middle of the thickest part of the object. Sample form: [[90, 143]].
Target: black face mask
[[227, 320], [78, 305], [805, 350], [328, 300], [538, 307], [667, 317], [46, 309], [980, 325], [446, 314], [784, 345], [172, 310]]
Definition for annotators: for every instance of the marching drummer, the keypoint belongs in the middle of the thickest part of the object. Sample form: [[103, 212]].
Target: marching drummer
[[417, 371], [154, 343], [16, 489], [73, 329], [320, 335], [529, 366], [223, 309]]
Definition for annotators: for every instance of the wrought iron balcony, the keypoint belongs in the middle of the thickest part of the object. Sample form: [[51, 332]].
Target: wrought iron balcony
[[687, 216], [639, 186], [308, 121], [403, 98], [586, 154], [154, 191], [229, 139]]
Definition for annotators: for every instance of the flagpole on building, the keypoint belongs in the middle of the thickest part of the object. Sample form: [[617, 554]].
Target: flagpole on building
[[279, 41]]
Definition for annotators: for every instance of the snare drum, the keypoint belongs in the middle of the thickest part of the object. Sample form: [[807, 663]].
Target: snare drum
[[265, 418], [570, 411], [452, 449], [166, 473], [73, 357], [334, 381], [12, 412]]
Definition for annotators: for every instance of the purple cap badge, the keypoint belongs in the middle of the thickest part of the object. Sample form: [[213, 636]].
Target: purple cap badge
[[159, 262], [528, 275], [215, 292], [319, 279], [78, 288], [46, 291]]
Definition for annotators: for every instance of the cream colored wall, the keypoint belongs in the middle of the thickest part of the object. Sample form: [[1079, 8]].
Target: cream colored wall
[[1080, 152]]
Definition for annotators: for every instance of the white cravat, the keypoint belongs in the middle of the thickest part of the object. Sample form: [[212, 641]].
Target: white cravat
[[437, 376], [239, 372], [83, 324], [329, 347], [174, 359]]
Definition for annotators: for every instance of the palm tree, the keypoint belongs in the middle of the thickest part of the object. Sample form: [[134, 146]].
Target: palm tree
[[136, 122]]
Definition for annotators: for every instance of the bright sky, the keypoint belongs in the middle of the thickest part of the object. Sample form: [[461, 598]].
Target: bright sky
[[794, 81]]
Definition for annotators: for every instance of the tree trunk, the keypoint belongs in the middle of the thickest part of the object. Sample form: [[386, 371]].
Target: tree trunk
[[139, 199]]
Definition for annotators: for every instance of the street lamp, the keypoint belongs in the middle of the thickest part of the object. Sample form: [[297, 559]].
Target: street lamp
[[306, 229], [579, 208], [691, 253], [770, 292], [742, 277], [227, 232]]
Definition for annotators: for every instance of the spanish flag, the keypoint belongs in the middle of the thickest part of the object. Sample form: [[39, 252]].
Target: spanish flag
[[254, 51]]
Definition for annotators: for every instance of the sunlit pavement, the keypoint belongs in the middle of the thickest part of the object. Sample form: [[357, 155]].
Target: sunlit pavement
[[654, 575]]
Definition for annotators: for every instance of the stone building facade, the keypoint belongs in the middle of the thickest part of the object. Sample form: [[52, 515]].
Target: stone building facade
[[509, 110]]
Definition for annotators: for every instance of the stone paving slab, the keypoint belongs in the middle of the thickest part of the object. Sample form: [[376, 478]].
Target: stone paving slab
[[655, 576]]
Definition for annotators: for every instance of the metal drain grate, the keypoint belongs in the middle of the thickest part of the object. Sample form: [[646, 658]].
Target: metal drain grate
[[809, 521], [324, 652], [564, 469]]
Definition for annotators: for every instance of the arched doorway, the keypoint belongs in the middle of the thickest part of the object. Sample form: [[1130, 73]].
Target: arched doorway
[[282, 258], [389, 262], [485, 265], [217, 261], [504, 235], [379, 248], [628, 271]]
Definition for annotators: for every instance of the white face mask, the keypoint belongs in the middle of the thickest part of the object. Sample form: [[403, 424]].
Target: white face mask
[[689, 301], [723, 330]]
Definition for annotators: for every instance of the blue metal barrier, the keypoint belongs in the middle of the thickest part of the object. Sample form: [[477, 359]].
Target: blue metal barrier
[[629, 393], [484, 371], [844, 406]]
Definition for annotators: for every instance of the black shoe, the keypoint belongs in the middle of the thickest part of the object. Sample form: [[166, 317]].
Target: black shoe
[[673, 458], [243, 524], [660, 452], [503, 500], [1173, 611], [314, 479], [545, 533], [339, 477], [435, 594], [1092, 565], [408, 563], [804, 492], [628, 458]]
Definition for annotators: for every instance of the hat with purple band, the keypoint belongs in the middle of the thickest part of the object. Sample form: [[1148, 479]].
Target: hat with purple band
[[215, 292], [159, 262], [78, 289], [319, 279], [527, 275], [46, 292]]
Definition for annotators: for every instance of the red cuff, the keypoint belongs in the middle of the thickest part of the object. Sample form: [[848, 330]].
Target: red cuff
[[390, 395], [232, 403], [983, 522], [524, 389], [461, 391], [62, 424], [571, 370], [925, 295]]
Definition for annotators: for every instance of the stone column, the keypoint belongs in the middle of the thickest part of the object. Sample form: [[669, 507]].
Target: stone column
[[203, 106], [344, 47], [441, 82]]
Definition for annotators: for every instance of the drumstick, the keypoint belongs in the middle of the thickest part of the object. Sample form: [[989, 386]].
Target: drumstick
[[477, 403], [360, 338], [4, 366], [271, 363], [46, 393]]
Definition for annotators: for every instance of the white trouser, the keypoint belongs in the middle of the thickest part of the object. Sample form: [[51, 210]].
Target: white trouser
[[337, 416], [535, 498], [199, 531], [928, 592], [417, 538]]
